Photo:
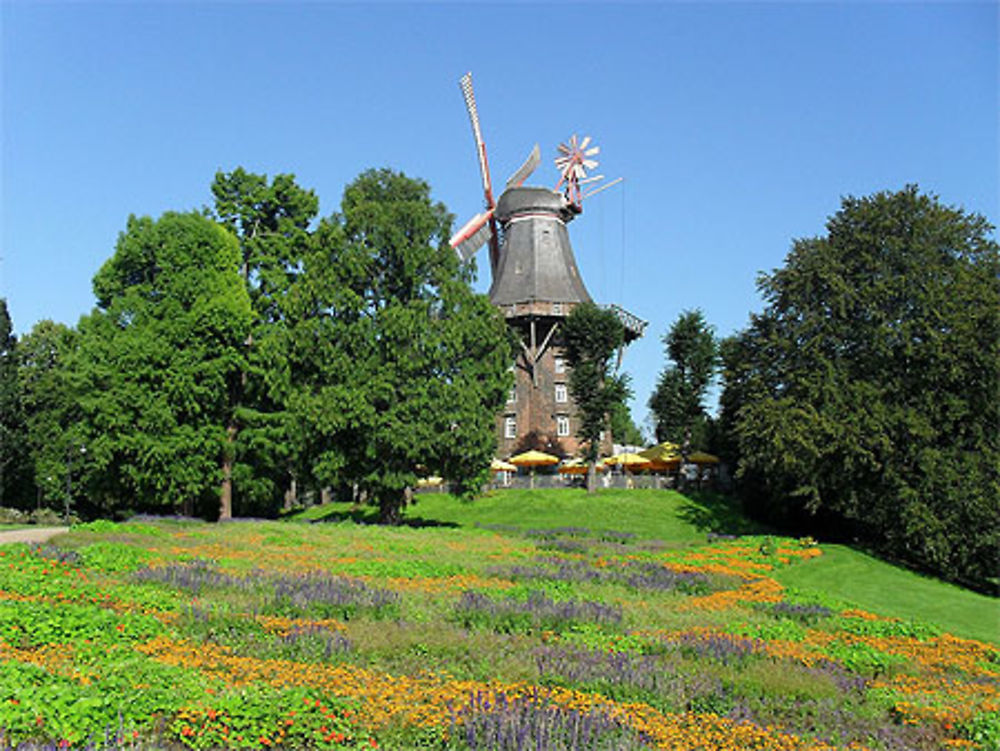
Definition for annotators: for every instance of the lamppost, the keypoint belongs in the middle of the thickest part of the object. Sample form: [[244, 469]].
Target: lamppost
[[69, 478]]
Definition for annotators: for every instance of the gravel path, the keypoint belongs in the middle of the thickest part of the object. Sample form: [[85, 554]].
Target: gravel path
[[31, 534]]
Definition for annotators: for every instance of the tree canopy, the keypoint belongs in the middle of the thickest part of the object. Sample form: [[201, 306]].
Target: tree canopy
[[591, 337], [866, 391], [13, 456], [271, 220], [158, 362], [678, 400], [398, 367]]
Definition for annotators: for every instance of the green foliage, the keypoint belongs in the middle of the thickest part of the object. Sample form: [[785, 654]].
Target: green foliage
[[14, 479], [784, 629], [623, 427], [864, 395], [271, 221], [984, 729], [157, 362], [51, 409], [396, 364], [112, 556], [864, 659], [677, 402], [591, 337], [258, 716]]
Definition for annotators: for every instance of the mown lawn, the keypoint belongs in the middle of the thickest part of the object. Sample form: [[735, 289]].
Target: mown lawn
[[629, 620]]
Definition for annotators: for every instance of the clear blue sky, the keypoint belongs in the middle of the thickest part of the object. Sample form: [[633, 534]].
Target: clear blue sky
[[737, 126]]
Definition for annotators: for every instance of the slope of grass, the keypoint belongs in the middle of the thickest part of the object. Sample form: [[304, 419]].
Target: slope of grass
[[648, 514], [840, 573], [445, 636], [882, 588]]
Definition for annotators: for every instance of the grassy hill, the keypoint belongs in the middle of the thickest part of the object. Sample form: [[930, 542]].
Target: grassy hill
[[547, 619], [841, 572]]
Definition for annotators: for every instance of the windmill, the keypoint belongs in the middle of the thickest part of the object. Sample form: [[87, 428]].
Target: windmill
[[535, 280]]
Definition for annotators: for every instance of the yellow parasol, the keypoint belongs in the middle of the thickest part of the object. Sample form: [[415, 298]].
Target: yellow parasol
[[534, 459], [700, 457], [662, 452], [577, 467], [628, 460], [501, 466]]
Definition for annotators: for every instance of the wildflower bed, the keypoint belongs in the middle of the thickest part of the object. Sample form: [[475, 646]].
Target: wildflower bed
[[158, 633]]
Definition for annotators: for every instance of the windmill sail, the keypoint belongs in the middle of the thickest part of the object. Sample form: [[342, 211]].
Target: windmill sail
[[475, 234], [525, 170]]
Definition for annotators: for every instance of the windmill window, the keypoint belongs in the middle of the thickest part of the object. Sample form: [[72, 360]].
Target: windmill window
[[512, 395], [557, 308], [560, 365], [562, 426], [561, 396], [510, 427]]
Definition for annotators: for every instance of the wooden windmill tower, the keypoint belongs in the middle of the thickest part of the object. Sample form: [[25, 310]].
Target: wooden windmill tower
[[535, 282]]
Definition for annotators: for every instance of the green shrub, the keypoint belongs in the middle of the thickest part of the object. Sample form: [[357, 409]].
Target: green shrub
[[257, 716], [12, 516], [113, 557]]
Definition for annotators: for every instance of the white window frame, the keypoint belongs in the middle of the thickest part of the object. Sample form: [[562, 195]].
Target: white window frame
[[560, 365], [562, 426], [510, 426], [562, 394], [512, 395]]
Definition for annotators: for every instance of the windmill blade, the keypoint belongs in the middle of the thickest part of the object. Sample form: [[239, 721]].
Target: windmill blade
[[468, 248], [584, 142], [593, 151], [470, 105], [525, 170], [470, 228], [603, 187], [473, 235]]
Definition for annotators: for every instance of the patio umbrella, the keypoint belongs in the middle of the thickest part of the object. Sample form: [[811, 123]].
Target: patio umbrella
[[662, 452], [534, 459], [577, 467], [629, 461], [501, 466], [664, 465], [700, 457]]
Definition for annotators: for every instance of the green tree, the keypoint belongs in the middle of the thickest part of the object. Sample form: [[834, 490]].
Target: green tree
[[678, 401], [13, 457], [623, 427], [591, 337], [399, 368], [50, 406], [867, 389], [271, 220], [158, 365]]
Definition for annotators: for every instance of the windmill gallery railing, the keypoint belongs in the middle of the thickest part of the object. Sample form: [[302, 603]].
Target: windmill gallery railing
[[634, 325]]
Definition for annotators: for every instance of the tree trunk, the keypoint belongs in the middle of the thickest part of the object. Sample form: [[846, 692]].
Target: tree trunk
[[390, 508], [592, 476], [226, 491], [291, 494]]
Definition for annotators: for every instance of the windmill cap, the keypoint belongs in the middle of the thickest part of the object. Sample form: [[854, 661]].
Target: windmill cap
[[527, 200]]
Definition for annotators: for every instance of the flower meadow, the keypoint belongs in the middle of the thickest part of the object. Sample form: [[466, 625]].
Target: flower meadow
[[250, 635]]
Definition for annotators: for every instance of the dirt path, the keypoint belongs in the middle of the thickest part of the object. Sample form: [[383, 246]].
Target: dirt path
[[36, 534]]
